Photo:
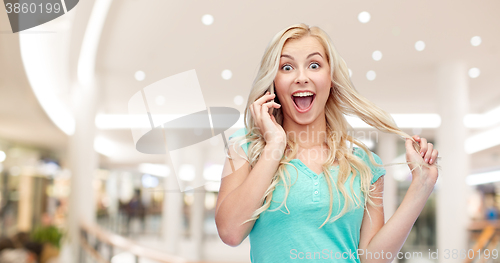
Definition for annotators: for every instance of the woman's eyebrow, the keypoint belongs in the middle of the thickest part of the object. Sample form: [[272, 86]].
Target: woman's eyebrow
[[310, 55]]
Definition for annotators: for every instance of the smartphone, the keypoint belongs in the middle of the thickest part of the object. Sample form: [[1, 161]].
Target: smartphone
[[271, 91]]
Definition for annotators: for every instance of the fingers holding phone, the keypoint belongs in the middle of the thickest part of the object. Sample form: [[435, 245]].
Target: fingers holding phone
[[272, 132]]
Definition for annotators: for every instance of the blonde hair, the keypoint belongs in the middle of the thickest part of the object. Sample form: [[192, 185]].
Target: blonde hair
[[343, 99]]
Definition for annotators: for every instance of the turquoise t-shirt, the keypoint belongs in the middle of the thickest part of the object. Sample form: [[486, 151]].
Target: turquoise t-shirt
[[280, 237]]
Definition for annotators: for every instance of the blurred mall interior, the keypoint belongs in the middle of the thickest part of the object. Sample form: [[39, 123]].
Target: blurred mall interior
[[74, 188]]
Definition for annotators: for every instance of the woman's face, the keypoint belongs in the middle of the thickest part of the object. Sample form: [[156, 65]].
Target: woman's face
[[303, 80]]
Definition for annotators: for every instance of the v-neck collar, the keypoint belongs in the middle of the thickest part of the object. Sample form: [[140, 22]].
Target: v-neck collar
[[307, 170]]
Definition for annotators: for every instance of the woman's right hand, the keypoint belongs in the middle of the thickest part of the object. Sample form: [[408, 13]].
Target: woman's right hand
[[273, 133]]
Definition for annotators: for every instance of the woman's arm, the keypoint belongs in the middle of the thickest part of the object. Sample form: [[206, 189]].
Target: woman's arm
[[242, 189], [389, 238], [240, 194]]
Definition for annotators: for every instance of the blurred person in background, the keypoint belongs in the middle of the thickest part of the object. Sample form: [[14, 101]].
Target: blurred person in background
[[135, 210]]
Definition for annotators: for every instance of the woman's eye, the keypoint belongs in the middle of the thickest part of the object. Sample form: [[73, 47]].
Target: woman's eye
[[286, 67], [313, 64]]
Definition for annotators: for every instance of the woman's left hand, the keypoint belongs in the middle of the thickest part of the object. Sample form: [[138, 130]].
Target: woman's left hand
[[427, 176]]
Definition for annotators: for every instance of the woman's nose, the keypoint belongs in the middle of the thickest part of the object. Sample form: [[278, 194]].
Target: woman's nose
[[302, 77]]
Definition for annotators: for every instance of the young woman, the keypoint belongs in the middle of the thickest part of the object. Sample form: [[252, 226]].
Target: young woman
[[294, 182]]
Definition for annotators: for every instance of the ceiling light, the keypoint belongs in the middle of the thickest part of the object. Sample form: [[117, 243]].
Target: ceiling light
[[41, 70], [370, 75], [475, 41], [140, 75], [187, 172], [110, 148], [207, 19], [356, 122], [482, 141], [213, 172], [149, 181], [2, 156], [238, 100], [364, 17], [483, 178], [420, 45], [106, 146], [428, 120], [154, 169], [484, 120], [226, 74], [474, 73], [377, 55]]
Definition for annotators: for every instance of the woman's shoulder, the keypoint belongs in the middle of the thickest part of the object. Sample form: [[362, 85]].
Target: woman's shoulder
[[358, 151], [376, 170], [239, 133]]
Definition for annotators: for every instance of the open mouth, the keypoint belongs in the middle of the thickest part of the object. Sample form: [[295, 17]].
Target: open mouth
[[303, 100]]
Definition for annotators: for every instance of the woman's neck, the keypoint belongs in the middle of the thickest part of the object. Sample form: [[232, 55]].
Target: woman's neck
[[309, 135]]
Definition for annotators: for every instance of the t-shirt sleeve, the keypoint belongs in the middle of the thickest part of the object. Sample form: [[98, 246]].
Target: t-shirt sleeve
[[377, 172], [238, 133]]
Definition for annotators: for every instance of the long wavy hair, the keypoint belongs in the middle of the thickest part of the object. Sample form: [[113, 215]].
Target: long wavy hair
[[343, 100]]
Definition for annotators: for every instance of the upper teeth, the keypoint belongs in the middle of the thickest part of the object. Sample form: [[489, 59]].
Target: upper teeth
[[303, 94]]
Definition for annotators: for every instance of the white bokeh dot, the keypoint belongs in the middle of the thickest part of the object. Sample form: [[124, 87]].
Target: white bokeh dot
[[238, 100], [377, 55], [350, 72], [420, 45], [475, 41], [474, 73], [160, 100], [364, 17], [140, 75], [370, 75], [227, 74], [207, 19]]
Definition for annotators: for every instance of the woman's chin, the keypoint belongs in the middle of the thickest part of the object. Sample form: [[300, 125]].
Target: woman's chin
[[305, 119]]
